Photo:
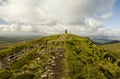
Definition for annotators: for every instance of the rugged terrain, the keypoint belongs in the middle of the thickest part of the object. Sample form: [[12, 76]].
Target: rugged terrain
[[63, 56]]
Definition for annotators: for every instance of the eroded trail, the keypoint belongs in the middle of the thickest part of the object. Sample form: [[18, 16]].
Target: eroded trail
[[59, 65], [54, 67]]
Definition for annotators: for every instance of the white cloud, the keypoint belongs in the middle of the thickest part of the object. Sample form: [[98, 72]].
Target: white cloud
[[107, 15], [53, 16], [22, 11], [93, 23], [108, 32]]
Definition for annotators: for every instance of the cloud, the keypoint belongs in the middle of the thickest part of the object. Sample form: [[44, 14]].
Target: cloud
[[19, 11], [53, 16], [107, 15], [93, 23], [45, 11]]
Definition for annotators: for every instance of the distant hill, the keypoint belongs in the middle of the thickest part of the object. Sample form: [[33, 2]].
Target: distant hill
[[16, 38], [8, 41], [113, 42], [105, 39], [63, 56]]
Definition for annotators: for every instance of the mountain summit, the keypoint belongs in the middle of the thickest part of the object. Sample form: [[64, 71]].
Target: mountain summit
[[63, 56]]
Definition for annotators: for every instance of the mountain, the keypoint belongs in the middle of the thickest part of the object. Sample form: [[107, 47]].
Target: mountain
[[106, 43], [63, 56], [105, 39], [113, 42]]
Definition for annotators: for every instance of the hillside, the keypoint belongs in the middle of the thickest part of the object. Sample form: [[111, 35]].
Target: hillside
[[115, 48], [63, 56]]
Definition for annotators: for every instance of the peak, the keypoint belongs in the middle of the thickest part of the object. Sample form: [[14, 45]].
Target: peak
[[64, 37]]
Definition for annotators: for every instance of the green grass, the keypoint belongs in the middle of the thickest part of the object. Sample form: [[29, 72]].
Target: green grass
[[11, 50], [114, 48], [25, 60], [86, 60], [5, 75], [25, 76]]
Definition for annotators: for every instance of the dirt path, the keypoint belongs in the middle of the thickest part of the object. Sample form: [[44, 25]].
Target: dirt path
[[54, 68], [58, 69]]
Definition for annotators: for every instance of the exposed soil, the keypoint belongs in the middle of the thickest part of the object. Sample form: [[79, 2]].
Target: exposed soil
[[58, 69]]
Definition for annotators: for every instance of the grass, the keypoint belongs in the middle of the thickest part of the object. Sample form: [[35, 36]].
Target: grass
[[25, 76], [83, 59], [5, 75], [18, 64], [11, 50], [16, 48], [115, 48]]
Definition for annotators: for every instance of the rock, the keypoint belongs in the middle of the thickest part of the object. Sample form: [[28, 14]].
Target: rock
[[61, 55], [38, 58], [43, 76], [53, 57]]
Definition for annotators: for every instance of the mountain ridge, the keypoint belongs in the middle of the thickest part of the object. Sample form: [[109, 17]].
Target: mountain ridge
[[63, 56]]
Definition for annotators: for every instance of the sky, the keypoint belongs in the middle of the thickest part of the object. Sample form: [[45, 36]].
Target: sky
[[113, 22], [47, 17]]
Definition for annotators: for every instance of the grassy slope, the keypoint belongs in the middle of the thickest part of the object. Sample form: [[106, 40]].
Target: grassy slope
[[115, 48], [34, 59], [82, 59], [87, 61]]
